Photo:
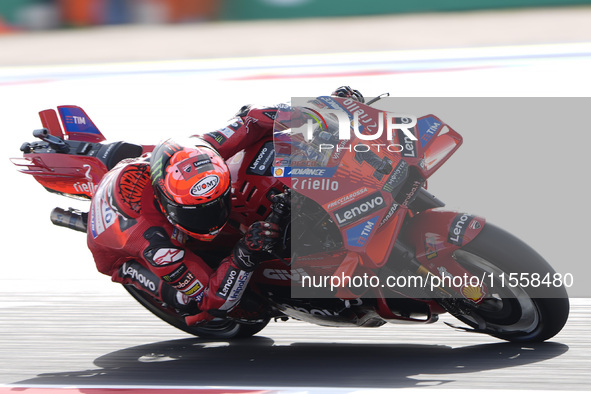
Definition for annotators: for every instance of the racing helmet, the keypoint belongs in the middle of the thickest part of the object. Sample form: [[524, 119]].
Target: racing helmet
[[192, 186]]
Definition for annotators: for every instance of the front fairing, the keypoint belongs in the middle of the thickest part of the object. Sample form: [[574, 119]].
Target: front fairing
[[362, 166]]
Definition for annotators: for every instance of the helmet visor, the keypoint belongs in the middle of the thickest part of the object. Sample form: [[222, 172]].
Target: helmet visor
[[200, 219]]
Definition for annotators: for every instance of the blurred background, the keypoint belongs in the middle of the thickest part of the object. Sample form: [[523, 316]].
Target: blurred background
[[82, 31], [51, 14]]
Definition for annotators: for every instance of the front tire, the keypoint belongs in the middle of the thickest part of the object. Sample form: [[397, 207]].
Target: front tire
[[216, 329], [512, 313]]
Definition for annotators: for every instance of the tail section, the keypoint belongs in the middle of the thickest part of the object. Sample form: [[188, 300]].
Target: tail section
[[76, 123]]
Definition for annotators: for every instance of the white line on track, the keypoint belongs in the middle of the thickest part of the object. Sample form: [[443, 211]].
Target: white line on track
[[386, 61]]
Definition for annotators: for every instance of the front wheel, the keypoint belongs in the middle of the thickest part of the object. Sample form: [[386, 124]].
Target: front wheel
[[216, 329], [511, 311]]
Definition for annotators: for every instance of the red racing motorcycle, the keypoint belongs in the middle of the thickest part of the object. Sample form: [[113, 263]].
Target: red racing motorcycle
[[364, 243]]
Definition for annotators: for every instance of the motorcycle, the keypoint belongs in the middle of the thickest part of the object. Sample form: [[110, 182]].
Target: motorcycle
[[364, 243]]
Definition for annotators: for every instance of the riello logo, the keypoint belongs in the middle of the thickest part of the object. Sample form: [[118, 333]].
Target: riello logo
[[373, 129]]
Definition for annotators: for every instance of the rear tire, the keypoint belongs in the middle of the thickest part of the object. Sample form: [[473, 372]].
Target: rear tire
[[516, 314], [216, 329]]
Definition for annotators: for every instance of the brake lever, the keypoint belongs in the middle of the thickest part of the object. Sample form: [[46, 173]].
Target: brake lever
[[56, 143]]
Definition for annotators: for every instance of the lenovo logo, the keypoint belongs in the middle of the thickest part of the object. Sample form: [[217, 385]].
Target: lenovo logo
[[359, 209]]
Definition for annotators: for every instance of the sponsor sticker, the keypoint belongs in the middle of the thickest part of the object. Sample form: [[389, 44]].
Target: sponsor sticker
[[391, 212], [179, 236], [194, 165], [108, 214], [398, 175], [328, 102], [228, 283], [281, 172], [218, 137], [136, 272], [235, 125], [166, 256], [270, 114], [194, 288], [359, 209], [226, 132], [85, 187], [346, 199], [281, 161], [428, 127], [240, 286], [475, 224], [315, 184], [408, 193], [321, 172], [176, 274], [340, 148], [243, 259], [205, 186], [473, 293], [283, 274], [431, 247], [199, 297], [458, 229], [263, 160], [75, 120], [359, 234], [409, 147], [184, 281], [102, 216]]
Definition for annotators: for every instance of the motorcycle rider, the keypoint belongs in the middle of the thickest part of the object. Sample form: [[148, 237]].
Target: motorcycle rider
[[145, 209]]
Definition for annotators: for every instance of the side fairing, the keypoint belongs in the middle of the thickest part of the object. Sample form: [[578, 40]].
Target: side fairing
[[434, 235]]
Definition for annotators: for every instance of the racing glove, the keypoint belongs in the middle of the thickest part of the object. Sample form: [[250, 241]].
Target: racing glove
[[252, 248], [347, 92]]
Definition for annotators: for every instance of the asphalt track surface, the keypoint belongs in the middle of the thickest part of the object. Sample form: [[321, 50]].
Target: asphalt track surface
[[62, 324], [68, 340]]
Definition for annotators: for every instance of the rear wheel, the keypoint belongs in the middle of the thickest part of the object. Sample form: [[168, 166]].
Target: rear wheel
[[522, 313], [216, 329]]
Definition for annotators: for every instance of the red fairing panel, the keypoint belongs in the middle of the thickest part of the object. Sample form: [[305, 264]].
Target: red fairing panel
[[70, 174], [436, 234]]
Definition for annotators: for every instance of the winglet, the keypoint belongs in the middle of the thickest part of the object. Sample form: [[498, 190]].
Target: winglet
[[78, 125]]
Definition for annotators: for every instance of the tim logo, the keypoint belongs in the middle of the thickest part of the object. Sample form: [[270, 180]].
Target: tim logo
[[358, 235], [76, 119], [79, 120]]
